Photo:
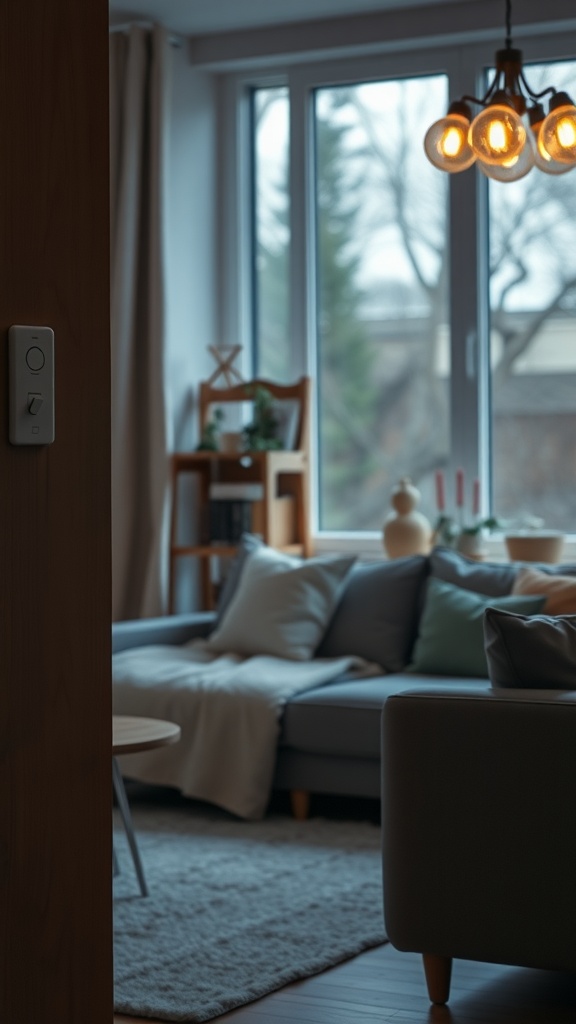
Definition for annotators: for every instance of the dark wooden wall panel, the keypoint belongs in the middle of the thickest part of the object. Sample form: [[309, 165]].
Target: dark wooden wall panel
[[55, 612]]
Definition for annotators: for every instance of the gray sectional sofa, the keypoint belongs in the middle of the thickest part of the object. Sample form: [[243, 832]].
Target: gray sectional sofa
[[419, 618]]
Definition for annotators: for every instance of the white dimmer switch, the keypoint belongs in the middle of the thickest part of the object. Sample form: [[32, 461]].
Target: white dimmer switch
[[31, 383]]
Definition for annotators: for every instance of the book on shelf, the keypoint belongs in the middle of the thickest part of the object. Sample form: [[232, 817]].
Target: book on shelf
[[228, 519], [236, 491]]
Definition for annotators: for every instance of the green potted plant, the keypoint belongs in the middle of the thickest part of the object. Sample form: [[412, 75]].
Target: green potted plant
[[262, 433], [454, 531], [209, 439]]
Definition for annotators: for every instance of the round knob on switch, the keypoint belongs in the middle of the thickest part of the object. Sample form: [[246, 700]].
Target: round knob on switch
[[35, 358]]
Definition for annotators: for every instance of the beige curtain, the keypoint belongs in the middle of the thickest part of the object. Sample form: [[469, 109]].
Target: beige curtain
[[139, 96]]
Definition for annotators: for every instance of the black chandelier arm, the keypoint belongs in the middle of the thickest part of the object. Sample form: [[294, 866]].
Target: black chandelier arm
[[496, 84], [479, 102], [550, 91], [488, 94]]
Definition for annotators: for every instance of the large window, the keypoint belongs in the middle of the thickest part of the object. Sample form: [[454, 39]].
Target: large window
[[435, 314]]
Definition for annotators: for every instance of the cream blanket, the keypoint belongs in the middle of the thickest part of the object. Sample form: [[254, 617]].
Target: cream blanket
[[229, 711]]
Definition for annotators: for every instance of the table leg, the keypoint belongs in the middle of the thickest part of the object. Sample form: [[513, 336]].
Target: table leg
[[124, 808]]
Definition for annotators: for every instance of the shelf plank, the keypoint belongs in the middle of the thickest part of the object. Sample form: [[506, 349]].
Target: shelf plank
[[226, 550], [284, 507]]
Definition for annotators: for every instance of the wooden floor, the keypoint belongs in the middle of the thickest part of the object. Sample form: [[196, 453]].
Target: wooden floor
[[383, 985]]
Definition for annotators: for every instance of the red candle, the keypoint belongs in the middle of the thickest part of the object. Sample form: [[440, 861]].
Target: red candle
[[476, 498], [440, 494], [460, 488]]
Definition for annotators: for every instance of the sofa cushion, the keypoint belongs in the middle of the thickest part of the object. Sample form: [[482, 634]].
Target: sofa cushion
[[491, 578], [281, 605], [377, 615], [342, 719], [531, 652], [559, 590], [450, 638]]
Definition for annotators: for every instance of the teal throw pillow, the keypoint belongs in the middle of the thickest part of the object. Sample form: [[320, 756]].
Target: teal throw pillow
[[450, 638]]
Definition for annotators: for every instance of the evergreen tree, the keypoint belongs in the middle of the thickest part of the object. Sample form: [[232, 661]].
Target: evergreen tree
[[272, 293], [347, 395], [345, 355]]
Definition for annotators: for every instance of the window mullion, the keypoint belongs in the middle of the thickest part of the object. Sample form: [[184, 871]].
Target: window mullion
[[469, 332], [302, 262], [303, 252], [466, 344]]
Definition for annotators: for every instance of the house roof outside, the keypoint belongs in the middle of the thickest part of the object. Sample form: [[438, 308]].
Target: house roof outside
[[544, 379], [552, 394]]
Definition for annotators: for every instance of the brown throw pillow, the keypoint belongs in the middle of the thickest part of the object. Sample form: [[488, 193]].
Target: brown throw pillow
[[532, 652], [559, 591]]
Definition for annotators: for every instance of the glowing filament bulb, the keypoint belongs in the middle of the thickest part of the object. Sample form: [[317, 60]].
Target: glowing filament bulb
[[566, 132], [497, 136], [497, 133], [558, 131], [446, 141], [452, 142]]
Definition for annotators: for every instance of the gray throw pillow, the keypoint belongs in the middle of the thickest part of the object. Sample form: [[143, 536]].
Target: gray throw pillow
[[558, 569], [248, 543], [377, 616], [491, 578], [538, 652], [281, 606]]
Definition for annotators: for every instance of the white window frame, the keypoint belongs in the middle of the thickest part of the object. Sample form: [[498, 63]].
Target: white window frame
[[464, 64]]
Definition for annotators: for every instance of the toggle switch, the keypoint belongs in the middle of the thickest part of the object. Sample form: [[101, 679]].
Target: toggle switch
[[35, 403], [31, 384]]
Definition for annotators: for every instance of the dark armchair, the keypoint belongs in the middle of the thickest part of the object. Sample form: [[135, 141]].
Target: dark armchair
[[479, 828]]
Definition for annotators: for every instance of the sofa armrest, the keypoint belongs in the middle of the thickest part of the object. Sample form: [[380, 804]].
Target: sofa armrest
[[479, 825], [170, 629]]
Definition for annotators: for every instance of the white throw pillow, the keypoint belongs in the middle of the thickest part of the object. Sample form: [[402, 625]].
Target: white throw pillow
[[282, 605]]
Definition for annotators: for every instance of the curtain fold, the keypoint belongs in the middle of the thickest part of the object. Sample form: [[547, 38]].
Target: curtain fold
[[140, 76]]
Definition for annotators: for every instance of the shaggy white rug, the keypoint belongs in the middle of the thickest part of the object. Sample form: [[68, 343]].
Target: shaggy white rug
[[238, 909]]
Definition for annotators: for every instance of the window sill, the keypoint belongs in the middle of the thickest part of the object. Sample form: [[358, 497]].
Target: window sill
[[369, 547]]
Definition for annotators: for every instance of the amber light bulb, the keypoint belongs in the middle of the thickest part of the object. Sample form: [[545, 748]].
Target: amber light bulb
[[446, 141], [558, 131], [497, 133], [545, 162], [542, 158], [514, 167]]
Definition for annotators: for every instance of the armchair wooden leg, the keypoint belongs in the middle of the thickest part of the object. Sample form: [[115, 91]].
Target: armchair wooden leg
[[438, 971], [300, 803]]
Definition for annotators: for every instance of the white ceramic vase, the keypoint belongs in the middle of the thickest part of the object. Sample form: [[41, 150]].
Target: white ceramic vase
[[472, 545], [406, 531]]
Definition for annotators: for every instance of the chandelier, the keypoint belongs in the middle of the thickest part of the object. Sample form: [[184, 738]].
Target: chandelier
[[512, 133]]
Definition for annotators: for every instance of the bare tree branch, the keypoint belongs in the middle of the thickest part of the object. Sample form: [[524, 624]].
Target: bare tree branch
[[396, 180], [518, 343], [520, 275]]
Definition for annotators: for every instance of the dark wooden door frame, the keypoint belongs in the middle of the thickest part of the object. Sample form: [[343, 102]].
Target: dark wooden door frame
[[55, 604]]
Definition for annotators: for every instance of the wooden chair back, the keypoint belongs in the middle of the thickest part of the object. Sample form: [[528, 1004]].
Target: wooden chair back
[[299, 391]]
